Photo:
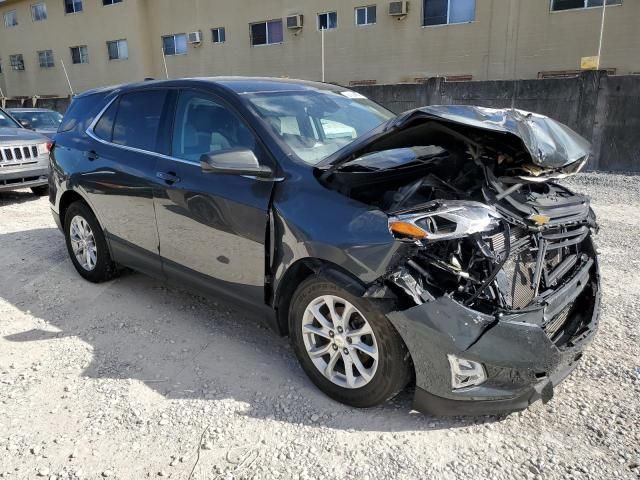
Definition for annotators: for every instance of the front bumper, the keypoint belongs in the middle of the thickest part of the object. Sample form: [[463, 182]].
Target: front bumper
[[24, 178], [523, 364]]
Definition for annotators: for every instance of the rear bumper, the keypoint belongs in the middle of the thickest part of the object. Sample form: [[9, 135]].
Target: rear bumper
[[522, 363], [24, 178]]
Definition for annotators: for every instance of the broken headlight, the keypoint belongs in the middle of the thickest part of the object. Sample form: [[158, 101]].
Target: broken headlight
[[445, 221]]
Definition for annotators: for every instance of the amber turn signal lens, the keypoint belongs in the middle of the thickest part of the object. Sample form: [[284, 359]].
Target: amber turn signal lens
[[404, 229]]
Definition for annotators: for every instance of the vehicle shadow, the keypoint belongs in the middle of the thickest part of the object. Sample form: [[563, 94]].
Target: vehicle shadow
[[17, 196], [180, 345]]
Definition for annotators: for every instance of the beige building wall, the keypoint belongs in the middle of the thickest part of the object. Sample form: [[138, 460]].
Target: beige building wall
[[508, 39]]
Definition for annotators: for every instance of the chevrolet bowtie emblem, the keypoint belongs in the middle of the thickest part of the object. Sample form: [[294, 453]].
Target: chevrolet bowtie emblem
[[539, 219]]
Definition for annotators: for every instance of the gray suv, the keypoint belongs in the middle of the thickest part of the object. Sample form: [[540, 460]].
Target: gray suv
[[24, 157]]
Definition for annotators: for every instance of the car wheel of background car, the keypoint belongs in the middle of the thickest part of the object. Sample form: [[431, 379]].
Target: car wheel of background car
[[346, 345], [40, 190], [86, 244]]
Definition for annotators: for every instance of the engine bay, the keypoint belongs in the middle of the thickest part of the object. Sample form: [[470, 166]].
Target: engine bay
[[486, 226]]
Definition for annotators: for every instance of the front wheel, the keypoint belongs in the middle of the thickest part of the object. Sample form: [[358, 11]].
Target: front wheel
[[346, 345], [86, 244]]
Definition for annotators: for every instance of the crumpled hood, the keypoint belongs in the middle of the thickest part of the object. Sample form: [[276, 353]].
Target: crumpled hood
[[12, 135], [551, 144]]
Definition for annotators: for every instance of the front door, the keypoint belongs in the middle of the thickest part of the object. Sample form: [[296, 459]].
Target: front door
[[212, 226]]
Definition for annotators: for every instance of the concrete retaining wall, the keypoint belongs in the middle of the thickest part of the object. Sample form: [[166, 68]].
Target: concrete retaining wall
[[605, 109]]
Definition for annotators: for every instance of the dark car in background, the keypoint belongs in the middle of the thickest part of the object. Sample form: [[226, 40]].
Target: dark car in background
[[433, 246], [42, 120], [24, 157]]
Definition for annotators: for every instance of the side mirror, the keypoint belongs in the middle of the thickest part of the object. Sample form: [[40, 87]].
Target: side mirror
[[234, 161], [26, 124]]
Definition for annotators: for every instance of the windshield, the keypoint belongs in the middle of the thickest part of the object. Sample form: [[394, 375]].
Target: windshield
[[315, 124], [7, 121], [40, 120]]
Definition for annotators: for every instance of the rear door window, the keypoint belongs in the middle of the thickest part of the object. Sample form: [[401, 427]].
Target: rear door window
[[137, 120]]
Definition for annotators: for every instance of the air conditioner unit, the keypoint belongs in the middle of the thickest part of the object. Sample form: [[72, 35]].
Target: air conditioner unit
[[294, 22], [398, 9], [195, 38]]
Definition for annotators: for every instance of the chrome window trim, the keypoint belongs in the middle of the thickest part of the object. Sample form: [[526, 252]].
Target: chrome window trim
[[90, 132]]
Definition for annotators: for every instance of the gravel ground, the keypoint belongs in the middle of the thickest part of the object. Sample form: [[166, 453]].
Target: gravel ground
[[131, 380]]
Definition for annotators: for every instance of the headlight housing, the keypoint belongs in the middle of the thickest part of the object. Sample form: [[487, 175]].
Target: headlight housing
[[445, 220]]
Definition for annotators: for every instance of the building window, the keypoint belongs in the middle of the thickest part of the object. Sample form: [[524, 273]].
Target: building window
[[39, 12], [175, 44], [11, 19], [218, 35], [110, 2], [327, 21], [267, 33], [558, 5], [79, 54], [444, 12], [366, 15], [72, 6], [17, 62], [118, 50], [45, 58]]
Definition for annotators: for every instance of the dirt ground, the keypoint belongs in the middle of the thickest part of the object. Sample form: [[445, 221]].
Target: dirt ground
[[131, 379]]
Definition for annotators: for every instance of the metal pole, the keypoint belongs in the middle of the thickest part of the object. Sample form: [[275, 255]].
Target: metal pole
[[164, 59], [604, 11], [322, 34], [67, 75]]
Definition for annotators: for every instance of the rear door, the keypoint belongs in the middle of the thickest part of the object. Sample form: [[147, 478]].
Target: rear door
[[120, 180], [212, 226]]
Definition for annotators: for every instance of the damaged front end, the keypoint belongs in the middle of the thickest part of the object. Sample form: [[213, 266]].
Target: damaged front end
[[498, 291]]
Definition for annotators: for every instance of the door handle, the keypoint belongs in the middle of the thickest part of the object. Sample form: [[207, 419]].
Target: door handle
[[169, 177], [92, 155]]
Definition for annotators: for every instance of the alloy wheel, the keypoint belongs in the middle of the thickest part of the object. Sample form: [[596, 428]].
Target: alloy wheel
[[340, 342], [83, 243]]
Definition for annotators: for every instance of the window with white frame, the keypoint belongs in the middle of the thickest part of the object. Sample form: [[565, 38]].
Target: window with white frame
[[72, 6], [45, 58], [11, 19], [39, 12], [118, 49], [16, 61], [327, 20], [445, 12], [558, 5], [110, 2], [79, 54], [175, 44], [267, 33], [218, 35], [366, 15]]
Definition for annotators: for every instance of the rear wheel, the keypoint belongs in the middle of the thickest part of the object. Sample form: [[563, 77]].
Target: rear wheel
[[86, 244], [40, 190], [346, 345]]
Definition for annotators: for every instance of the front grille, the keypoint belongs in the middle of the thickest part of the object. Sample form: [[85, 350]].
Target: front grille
[[517, 279], [18, 154]]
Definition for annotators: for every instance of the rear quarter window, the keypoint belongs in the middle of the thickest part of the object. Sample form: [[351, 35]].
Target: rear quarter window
[[81, 113]]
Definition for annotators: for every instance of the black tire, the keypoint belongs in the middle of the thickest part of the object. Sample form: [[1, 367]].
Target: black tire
[[104, 268], [40, 190], [394, 364]]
